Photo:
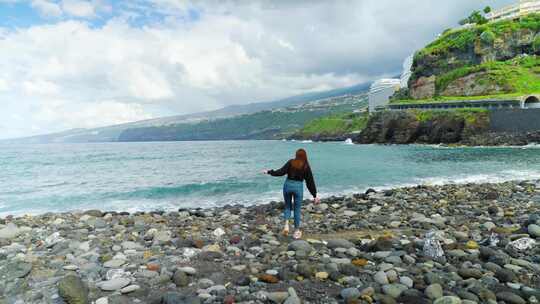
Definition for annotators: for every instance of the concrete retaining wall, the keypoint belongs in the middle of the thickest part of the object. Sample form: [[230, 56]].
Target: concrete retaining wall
[[515, 120]]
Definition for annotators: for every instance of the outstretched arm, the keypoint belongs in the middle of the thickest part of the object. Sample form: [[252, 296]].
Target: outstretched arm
[[280, 172], [310, 182]]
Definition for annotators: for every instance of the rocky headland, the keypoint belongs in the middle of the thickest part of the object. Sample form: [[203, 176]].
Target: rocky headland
[[494, 61], [469, 127], [473, 243]]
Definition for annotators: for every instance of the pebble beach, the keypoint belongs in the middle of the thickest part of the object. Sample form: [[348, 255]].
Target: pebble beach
[[451, 244]]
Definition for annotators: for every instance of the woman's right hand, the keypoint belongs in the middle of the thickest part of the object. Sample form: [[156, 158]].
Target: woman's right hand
[[265, 171], [316, 200]]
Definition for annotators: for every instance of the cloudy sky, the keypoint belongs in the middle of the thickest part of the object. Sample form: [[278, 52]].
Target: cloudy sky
[[77, 64]]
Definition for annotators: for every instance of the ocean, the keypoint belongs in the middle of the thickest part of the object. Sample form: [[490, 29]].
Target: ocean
[[35, 179]]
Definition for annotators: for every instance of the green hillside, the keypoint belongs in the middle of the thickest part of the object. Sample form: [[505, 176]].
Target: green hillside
[[508, 79], [498, 59], [274, 124], [333, 126]]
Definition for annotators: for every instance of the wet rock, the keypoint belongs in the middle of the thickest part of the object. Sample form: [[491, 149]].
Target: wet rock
[[73, 290]]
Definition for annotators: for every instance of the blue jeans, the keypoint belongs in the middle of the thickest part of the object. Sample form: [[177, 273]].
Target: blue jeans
[[293, 189]]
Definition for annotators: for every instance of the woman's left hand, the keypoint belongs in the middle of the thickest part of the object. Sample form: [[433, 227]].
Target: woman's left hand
[[316, 200]]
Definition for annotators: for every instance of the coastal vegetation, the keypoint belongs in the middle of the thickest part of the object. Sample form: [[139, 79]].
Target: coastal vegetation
[[480, 60], [473, 116], [520, 75], [274, 124], [506, 79], [443, 99], [464, 38], [334, 125]]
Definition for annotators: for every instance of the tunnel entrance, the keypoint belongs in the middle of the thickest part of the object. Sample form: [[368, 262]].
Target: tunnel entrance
[[531, 102]]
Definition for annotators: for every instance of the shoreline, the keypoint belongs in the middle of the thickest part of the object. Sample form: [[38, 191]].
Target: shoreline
[[368, 247]]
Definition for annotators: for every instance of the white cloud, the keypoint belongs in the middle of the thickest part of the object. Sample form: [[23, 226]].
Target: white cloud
[[88, 115], [79, 8], [72, 73], [4, 86], [40, 88], [47, 8]]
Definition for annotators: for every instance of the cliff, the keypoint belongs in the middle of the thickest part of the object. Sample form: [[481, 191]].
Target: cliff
[[469, 127], [493, 60], [484, 60], [429, 127]]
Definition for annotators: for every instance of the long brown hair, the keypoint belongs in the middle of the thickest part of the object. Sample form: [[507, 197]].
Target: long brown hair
[[301, 160]]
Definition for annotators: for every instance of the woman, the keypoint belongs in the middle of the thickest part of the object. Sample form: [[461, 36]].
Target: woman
[[297, 171]]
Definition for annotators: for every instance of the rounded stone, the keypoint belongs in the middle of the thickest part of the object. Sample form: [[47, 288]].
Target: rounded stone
[[181, 279], [321, 275], [534, 230], [434, 291], [381, 278], [349, 294], [114, 263], [115, 284], [448, 300], [73, 291], [130, 288], [510, 298], [188, 270], [406, 281], [394, 290], [472, 245], [300, 245]]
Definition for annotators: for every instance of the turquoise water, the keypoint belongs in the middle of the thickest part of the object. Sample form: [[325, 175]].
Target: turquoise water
[[149, 176]]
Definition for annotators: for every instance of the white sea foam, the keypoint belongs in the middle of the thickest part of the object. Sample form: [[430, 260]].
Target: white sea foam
[[503, 176], [441, 146]]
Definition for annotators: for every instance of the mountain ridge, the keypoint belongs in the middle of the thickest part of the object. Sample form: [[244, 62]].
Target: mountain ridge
[[113, 132]]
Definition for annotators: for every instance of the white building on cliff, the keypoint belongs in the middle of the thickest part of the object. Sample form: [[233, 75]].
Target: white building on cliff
[[407, 72], [380, 92], [382, 89], [514, 11]]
